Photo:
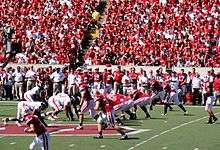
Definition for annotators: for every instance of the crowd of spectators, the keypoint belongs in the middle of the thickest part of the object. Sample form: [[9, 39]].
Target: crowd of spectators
[[158, 32], [14, 82], [50, 31]]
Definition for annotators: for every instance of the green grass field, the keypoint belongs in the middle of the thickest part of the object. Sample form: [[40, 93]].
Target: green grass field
[[172, 132]]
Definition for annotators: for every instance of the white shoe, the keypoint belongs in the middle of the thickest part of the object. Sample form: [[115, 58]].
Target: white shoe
[[18, 124], [162, 114], [5, 121], [51, 118], [186, 113], [79, 127], [55, 117]]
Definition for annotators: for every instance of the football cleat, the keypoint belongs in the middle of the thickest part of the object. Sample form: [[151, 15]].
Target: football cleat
[[98, 137], [186, 113], [79, 127], [18, 124], [209, 122], [55, 117], [51, 118], [215, 119], [163, 114], [5, 120], [147, 116], [124, 137]]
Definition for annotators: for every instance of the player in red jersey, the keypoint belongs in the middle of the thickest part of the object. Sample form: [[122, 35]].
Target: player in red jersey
[[122, 104], [86, 104], [182, 76], [42, 136], [106, 115], [141, 99]]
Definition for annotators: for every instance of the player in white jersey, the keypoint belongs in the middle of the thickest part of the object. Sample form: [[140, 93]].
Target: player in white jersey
[[60, 102], [209, 108], [24, 108], [32, 94], [170, 96]]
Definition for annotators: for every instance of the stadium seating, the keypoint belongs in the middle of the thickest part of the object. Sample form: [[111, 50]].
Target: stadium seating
[[50, 30], [158, 32]]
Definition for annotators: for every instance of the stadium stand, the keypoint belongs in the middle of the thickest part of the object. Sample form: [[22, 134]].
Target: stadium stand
[[50, 31], [158, 32]]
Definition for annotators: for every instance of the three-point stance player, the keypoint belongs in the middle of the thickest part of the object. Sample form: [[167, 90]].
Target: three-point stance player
[[24, 108], [106, 115], [60, 102]]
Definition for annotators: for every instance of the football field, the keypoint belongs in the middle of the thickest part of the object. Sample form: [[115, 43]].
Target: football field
[[172, 132]]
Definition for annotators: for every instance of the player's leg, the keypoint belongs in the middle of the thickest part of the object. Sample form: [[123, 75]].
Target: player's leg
[[20, 113], [147, 115], [134, 116], [33, 145], [111, 122], [43, 141], [6, 120], [165, 95], [165, 107], [170, 107], [120, 130], [83, 109], [68, 112], [100, 122], [100, 135], [213, 116], [208, 108], [142, 103], [56, 109], [27, 97], [174, 97]]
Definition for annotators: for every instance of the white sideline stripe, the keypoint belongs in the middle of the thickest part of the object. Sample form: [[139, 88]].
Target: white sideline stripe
[[166, 131]]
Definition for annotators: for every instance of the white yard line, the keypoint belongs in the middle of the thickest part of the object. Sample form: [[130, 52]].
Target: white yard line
[[166, 131]]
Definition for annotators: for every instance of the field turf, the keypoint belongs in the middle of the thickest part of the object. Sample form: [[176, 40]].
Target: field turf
[[172, 132]]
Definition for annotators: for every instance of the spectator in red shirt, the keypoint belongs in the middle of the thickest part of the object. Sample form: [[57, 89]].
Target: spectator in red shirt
[[117, 80], [216, 86]]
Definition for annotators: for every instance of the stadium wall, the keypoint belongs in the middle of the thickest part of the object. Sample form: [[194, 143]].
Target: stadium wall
[[200, 70]]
